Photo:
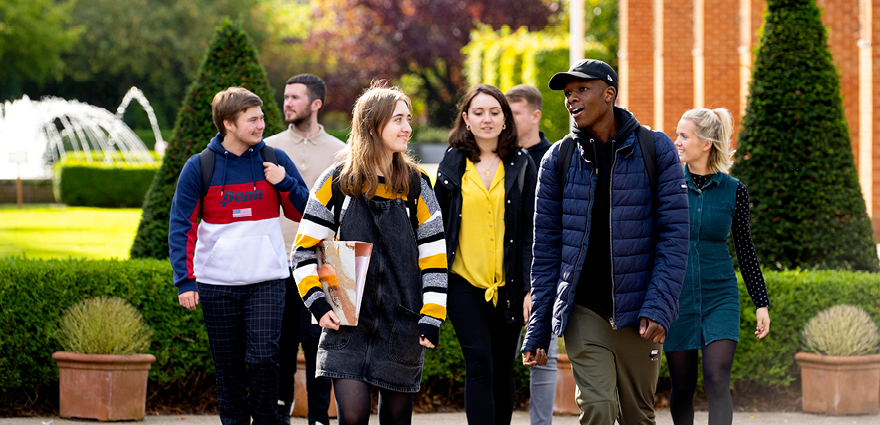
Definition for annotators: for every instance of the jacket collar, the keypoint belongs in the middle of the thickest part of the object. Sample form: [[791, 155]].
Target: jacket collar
[[715, 179], [452, 167], [312, 140]]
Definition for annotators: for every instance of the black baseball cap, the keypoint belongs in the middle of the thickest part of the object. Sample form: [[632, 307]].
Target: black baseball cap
[[587, 69]]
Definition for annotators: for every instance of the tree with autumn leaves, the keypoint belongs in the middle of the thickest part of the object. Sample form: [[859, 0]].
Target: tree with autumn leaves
[[383, 39]]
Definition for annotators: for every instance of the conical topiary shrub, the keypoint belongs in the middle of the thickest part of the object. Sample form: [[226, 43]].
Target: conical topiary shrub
[[231, 60], [794, 151]]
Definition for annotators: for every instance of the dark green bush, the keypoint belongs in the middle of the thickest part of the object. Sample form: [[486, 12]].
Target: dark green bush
[[231, 60], [796, 297], [794, 152], [35, 293], [554, 116], [95, 184]]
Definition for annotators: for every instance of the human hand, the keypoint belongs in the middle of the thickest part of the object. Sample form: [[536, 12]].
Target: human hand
[[274, 173], [538, 358], [425, 343], [527, 307], [329, 321], [651, 330], [763, 327], [189, 300]]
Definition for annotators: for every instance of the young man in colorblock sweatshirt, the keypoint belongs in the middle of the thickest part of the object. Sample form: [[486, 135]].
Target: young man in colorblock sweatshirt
[[233, 261]]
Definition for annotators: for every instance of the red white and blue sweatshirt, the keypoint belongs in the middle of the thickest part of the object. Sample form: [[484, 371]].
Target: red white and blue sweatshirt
[[239, 240]]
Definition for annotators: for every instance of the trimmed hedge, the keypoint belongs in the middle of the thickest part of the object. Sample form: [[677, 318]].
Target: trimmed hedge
[[34, 294], [97, 184], [794, 151], [795, 296]]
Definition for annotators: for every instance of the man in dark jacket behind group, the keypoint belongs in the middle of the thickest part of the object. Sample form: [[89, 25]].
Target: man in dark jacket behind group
[[610, 251]]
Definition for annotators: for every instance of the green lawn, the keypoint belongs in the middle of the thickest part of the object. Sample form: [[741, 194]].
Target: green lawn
[[57, 231]]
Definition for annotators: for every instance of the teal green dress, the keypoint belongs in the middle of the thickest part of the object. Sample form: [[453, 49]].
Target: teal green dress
[[709, 303]]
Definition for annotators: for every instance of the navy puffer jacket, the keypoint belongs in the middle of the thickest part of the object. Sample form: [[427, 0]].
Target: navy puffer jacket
[[649, 236]]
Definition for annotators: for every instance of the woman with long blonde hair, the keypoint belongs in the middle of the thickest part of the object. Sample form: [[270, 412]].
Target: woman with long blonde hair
[[708, 307], [377, 195]]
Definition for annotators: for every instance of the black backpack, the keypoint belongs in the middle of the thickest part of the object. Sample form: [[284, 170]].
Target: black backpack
[[415, 191], [646, 142], [206, 163]]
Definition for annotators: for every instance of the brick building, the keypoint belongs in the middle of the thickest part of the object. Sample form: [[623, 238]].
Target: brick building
[[680, 54]]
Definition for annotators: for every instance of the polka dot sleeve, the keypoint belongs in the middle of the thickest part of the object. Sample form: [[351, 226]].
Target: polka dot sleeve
[[745, 250]]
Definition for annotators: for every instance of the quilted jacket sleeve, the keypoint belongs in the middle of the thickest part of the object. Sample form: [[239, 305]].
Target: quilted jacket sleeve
[[671, 230], [547, 252]]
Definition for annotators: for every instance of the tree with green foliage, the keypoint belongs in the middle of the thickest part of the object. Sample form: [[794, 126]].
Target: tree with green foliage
[[794, 151], [155, 45], [231, 60], [33, 36]]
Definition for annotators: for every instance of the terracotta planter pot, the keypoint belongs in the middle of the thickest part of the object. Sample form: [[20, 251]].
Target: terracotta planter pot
[[102, 386], [564, 403], [834, 385], [300, 396]]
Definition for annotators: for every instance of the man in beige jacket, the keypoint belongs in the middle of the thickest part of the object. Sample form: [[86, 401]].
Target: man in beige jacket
[[313, 151]]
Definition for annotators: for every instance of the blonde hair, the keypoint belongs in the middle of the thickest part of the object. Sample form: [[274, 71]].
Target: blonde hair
[[372, 112], [715, 125]]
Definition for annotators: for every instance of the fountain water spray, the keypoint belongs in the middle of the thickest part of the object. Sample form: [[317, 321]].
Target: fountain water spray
[[50, 129], [136, 94]]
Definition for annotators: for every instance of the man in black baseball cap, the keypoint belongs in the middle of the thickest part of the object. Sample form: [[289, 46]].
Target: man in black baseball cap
[[587, 69], [611, 294]]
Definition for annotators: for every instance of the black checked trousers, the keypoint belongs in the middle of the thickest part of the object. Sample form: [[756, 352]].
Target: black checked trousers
[[244, 329]]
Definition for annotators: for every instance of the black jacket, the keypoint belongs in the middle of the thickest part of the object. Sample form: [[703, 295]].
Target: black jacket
[[520, 178]]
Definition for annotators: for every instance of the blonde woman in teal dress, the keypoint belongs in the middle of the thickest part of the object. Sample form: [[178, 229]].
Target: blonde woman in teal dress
[[709, 304]]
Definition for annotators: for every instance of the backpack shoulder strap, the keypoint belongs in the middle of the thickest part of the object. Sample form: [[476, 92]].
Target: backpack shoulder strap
[[268, 154], [646, 142], [206, 165], [563, 160], [412, 201]]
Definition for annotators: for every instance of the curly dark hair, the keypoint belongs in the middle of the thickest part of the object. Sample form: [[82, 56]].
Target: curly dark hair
[[460, 137]]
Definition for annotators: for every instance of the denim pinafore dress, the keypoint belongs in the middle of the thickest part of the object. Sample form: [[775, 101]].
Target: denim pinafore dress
[[383, 349], [709, 303]]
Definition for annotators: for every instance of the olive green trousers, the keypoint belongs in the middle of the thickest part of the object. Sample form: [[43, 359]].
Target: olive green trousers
[[615, 370]]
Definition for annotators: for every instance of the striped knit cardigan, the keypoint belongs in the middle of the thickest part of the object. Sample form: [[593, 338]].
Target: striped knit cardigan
[[318, 224]]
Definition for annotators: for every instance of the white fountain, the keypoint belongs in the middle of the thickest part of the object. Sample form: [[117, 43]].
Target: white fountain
[[35, 134], [136, 94]]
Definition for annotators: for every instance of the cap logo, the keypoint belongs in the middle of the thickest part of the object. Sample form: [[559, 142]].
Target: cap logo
[[609, 78]]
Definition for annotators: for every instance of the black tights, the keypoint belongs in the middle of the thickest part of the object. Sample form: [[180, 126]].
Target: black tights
[[353, 404], [717, 363]]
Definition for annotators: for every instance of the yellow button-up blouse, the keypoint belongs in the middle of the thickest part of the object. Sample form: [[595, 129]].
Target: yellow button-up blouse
[[480, 258]]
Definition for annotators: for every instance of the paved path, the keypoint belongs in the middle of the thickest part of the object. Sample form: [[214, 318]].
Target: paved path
[[519, 418]]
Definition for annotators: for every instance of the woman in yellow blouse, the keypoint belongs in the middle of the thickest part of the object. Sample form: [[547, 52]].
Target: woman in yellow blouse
[[486, 191]]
